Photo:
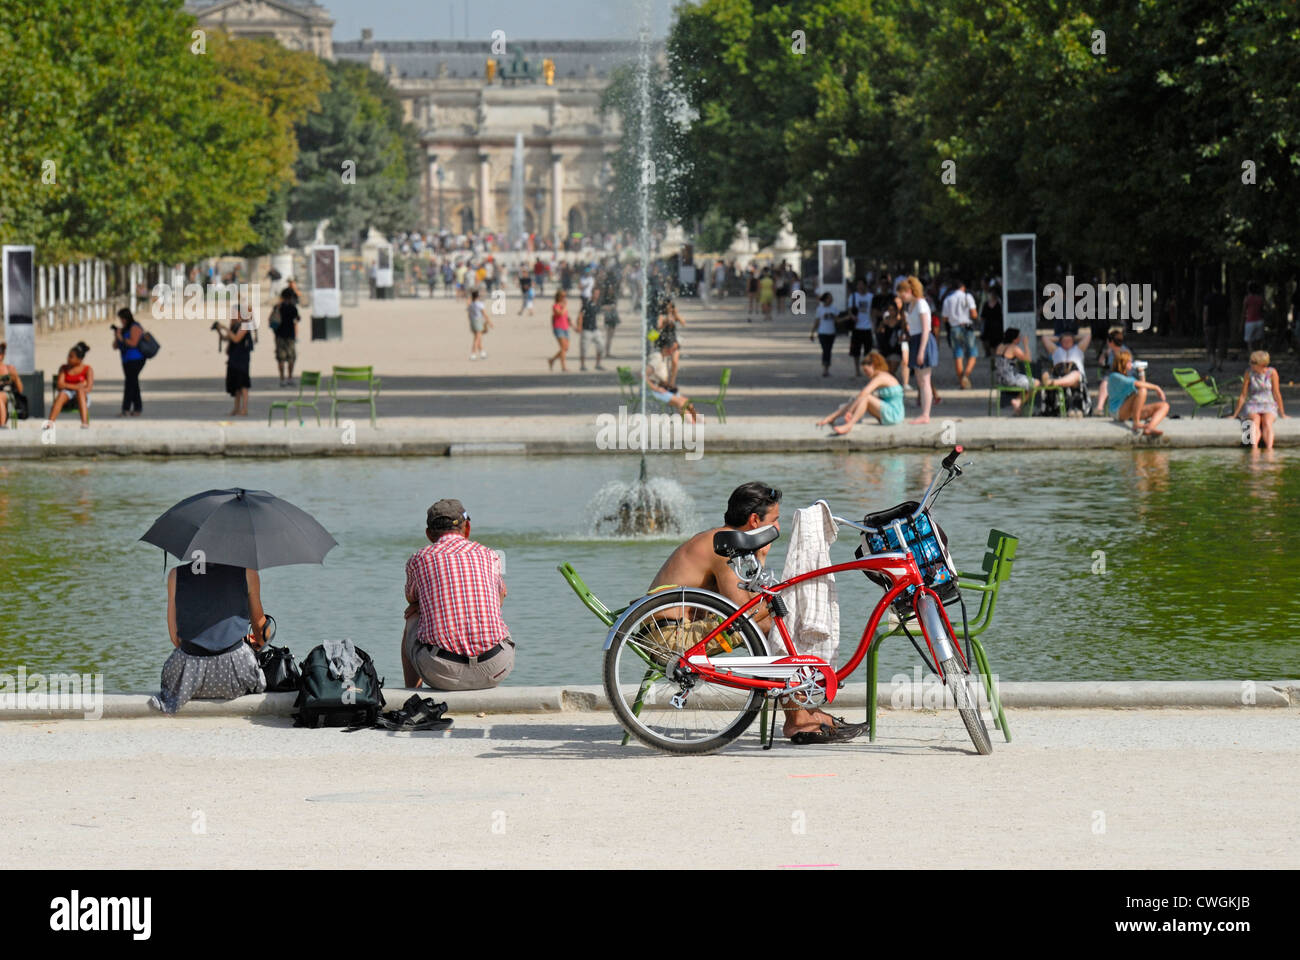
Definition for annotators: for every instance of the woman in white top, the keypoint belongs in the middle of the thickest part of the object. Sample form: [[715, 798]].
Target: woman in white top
[[921, 343], [823, 329]]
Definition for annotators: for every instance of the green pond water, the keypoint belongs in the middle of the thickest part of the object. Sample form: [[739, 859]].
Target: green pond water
[[1199, 578]]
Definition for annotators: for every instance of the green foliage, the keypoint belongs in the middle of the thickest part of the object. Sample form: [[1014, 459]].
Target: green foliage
[[150, 150], [358, 134], [1132, 157]]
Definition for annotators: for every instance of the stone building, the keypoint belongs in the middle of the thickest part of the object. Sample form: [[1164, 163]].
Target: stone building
[[469, 104]]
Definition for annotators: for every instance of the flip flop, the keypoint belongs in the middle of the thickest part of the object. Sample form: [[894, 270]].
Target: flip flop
[[416, 714]]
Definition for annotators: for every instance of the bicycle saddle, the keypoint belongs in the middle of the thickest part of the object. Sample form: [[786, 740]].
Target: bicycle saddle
[[737, 543]]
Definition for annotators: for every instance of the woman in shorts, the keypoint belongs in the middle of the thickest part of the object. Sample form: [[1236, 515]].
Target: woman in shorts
[[73, 384], [560, 330]]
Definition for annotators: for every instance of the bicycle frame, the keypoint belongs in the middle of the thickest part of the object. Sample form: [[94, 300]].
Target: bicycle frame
[[902, 570]]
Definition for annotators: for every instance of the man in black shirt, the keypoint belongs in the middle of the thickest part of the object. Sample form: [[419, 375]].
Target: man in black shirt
[[1214, 314], [286, 336]]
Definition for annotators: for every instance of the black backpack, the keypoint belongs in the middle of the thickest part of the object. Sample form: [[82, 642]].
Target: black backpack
[[325, 701]]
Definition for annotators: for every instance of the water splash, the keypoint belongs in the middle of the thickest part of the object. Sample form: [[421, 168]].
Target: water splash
[[647, 507]]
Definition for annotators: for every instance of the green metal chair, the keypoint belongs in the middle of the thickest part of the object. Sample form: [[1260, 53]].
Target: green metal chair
[[717, 403], [8, 399], [1031, 394], [310, 378], [996, 571], [607, 617], [344, 376], [629, 387], [1204, 391]]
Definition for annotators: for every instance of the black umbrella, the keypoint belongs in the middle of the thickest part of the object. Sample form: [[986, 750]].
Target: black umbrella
[[242, 528]]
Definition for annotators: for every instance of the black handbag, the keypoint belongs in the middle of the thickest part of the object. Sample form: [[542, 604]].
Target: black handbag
[[22, 405], [148, 346], [280, 668]]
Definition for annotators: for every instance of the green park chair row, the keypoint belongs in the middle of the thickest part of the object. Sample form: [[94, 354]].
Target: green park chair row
[[342, 378], [629, 386], [996, 570]]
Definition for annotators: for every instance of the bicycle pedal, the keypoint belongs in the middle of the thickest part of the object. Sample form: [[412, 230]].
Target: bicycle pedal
[[678, 700]]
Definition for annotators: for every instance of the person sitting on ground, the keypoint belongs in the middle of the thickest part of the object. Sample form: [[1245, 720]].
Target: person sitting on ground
[[1106, 357], [656, 380], [455, 637], [9, 382], [1261, 395], [882, 397], [216, 621], [1008, 369], [695, 565], [1128, 398], [1068, 370], [73, 384]]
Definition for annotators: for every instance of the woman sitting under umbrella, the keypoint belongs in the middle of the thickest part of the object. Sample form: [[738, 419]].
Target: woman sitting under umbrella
[[214, 606], [214, 613]]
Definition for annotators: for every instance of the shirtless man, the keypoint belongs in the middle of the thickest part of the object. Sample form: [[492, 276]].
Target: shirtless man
[[694, 564]]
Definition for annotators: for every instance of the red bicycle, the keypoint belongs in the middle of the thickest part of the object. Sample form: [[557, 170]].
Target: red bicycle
[[687, 671]]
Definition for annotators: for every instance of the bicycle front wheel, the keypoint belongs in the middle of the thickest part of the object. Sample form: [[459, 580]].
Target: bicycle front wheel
[[968, 705], [657, 631]]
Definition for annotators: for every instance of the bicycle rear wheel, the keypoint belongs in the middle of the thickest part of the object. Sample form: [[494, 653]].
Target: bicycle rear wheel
[[968, 705], [651, 638]]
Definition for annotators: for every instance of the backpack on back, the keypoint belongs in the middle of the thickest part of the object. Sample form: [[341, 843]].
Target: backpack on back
[[325, 700]]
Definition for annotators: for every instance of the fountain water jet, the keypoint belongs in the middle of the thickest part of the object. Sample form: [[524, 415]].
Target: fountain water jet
[[516, 225], [649, 505]]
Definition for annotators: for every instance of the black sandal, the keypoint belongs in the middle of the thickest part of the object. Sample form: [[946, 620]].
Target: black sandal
[[416, 714]]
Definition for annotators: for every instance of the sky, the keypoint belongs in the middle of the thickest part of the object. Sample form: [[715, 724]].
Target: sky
[[525, 19]]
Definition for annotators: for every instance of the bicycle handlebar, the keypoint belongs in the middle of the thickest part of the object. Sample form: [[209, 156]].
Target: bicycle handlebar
[[951, 460]]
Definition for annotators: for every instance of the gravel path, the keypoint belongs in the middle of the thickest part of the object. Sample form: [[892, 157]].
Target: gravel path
[[1077, 788]]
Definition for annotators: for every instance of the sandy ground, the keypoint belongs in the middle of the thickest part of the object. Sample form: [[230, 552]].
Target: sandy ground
[[421, 350], [1077, 788]]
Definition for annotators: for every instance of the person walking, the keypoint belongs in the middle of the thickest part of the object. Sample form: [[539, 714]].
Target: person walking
[[824, 330], [589, 336], [126, 340], [285, 329], [1214, 317], [560, 329], [526, 292], [477, 326], [860, 339], [610, 312], [960, 314]]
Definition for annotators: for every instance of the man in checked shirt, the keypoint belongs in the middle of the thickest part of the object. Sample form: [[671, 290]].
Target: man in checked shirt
[[455, 638]]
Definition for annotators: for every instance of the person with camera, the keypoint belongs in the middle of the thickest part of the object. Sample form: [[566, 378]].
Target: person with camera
[[126, 340], [238, 339]]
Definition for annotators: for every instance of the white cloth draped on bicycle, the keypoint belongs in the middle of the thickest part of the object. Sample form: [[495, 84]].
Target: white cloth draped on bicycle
[[814, 617]]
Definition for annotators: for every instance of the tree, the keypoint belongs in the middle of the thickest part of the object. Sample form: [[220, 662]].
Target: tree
[[123, 137], [359, 162]]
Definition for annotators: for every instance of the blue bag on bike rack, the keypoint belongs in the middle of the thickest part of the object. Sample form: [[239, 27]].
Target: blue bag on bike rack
[[927, 541]]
